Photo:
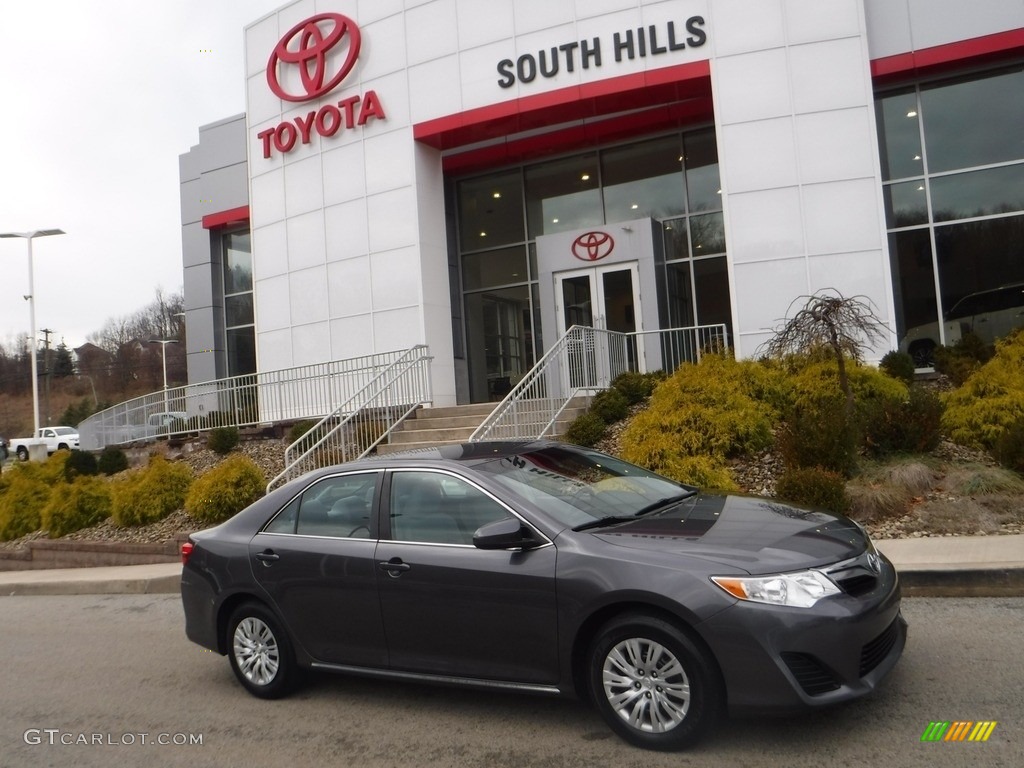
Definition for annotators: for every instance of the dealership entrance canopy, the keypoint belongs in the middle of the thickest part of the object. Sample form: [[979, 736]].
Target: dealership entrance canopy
[[481, 176]]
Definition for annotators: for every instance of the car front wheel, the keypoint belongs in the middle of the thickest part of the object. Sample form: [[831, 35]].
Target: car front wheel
[[22, 453], [652, 684], [260, 653]]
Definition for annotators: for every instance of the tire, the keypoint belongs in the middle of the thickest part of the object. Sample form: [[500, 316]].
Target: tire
[[653, 685], [22, 453], [260, 652], [63, 447], [923, 353]]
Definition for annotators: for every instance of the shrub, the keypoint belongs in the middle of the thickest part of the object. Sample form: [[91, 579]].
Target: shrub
[[112, 460], [813, 487], [637, 387], [1009, 448], [80, 463], [83, 503], [24, 491], [151, 493], [817, 381], [962, 359], [703, 471], [912, 425], [899, 365], [991, 400], [298, 429], [820, 435], [231, 486], [610, 406], [586, 430], [222, 440], [719, 408]]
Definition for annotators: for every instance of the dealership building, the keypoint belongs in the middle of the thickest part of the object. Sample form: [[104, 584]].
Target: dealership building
[[479, 175]]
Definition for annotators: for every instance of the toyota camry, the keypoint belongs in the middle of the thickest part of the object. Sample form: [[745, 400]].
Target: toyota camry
[[550, 569]]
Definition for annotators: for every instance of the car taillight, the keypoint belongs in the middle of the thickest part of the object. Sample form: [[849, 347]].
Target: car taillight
[[186, 552]]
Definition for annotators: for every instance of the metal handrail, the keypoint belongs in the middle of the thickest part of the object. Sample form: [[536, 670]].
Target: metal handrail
[[358, 425], [584, 361]]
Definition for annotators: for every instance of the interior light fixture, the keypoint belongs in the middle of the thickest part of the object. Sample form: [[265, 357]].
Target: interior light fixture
[[585, 177], [554, 221], [634, 206], [921, 188], [917, 157], [912, 113], [497, 195], [483, 234]]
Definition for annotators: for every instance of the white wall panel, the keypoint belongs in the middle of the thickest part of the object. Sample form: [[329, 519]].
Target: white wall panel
[[836, 145], [383, 49], [829, 75], [388, 161], [482, 23], [758, 87], [763, 294], [274, 349], [428, 98], [344, 171], [310, 343], [762, 155], [303, 186], [308, 296], [741, 26], [813, 20], [397, 329], [352, 337], [395, 278], [765, 225], [842, 216], [371, 10], [349, 288], [531, 15], [306, 246], [270, 250], [267, 198], [347, 230], [273, 308], [435, 31], [392, 219]]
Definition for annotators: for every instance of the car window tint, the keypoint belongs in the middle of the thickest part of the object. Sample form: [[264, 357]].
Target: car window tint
[[338, 507], [440, 509], [284, 522]]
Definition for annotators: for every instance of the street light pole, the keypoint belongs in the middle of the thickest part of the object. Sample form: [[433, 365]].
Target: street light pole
[[31, 297], [163, 354]]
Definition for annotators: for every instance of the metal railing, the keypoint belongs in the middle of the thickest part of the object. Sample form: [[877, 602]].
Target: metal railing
[[291, 394], [358, 425], [584, 361]]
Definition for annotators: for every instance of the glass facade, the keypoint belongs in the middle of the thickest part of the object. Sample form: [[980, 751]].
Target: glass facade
[[672, 179], [952, 157], [239, 319]]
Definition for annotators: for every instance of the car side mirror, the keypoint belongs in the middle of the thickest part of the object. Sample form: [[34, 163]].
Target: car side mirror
[[508, 533]]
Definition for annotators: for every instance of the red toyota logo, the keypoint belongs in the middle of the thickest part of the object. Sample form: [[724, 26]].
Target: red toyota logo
[[311, 55], [592, 246]]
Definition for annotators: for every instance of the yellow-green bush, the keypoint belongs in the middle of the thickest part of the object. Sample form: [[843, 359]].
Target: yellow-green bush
[[717, 409], [82, 503], [225, 490], [817, 382], [24, 491], [980, 411], [151, 493]]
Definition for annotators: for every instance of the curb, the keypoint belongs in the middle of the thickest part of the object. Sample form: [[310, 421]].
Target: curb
[[963, 582], [89, 581]]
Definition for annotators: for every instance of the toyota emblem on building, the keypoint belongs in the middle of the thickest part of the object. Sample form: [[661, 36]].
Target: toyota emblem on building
[[592, 246], [308, 46]]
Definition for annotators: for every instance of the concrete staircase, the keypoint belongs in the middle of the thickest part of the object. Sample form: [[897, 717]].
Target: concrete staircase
[[454, 424]]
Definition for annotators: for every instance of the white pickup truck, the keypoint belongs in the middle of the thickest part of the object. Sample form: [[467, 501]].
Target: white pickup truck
[[55, 438]]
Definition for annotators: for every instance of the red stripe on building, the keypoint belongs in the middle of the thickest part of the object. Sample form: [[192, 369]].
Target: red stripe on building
[[942, 57], [227, 218]]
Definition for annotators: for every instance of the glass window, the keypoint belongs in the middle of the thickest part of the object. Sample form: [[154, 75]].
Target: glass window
[[978, 193], [241, 351], [979, 256], [707, 233], [237, 262], [338, 507], [703, 182], [285, 520], [441, 509], [906, 204], [488, 269], [900, 140], [914, 286], [711, 281], [563, 195], [644, 179], [680, 294], [238, 310], [677, 243], [499, 332], [974, 121], [491, 211]]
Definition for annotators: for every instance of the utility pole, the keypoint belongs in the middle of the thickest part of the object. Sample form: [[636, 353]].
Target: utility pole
[[46, 369]]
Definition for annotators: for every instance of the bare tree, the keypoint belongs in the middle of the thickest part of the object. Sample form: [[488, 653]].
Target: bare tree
[[846, 325]]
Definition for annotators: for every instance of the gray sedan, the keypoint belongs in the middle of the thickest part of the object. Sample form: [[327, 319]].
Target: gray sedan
[[546, 568]]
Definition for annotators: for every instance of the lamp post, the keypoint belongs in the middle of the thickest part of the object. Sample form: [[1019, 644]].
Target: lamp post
[[29, 236], [163, 354]]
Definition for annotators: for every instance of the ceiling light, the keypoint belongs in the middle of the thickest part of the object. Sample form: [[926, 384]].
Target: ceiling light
[[921, 188], [554, 221], [912, 113], [585, 177], [483, 234], [496, 195], [917, 157], [634, 206]]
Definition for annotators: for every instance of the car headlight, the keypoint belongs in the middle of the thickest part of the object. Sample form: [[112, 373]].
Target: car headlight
[[796, 590]]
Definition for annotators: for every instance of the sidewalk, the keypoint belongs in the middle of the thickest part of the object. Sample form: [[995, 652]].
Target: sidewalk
[[955, 566]]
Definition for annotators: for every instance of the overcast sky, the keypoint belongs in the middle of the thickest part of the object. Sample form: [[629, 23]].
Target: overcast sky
[[98, 98]]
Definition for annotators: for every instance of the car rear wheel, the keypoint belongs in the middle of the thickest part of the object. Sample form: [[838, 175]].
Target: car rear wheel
[[22, 453], [652, 684], [260, 653]]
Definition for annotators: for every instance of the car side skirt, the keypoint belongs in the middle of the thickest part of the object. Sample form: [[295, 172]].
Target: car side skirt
[[471, 682]]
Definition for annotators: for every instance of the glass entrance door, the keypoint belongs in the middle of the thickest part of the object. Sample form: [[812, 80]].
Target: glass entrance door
[[606, 298]]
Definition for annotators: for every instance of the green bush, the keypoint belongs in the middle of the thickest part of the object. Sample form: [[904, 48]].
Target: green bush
[[991, 400], [813, 487], [587, 429], [719, 408], [637, 387], [610, 406], [820, 435], [899, 365], [222, 440], [912, 425], [962, 359], [298, 429], [112, 460], [83, 503], [80, 463], [150, 494], [24, 490], [228, 488], [1009, 448]]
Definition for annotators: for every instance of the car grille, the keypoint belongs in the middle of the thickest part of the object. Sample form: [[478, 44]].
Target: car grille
[[872, 653], [857, 585], [810, 673]]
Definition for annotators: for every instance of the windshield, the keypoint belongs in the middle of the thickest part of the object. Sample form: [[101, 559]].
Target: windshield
[[576, 486]]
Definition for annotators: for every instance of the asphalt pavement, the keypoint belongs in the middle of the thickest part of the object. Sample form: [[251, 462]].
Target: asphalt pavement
[[948, 566]]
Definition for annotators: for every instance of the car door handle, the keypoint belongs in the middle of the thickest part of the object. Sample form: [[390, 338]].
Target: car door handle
[[267, 557], [394, 567]]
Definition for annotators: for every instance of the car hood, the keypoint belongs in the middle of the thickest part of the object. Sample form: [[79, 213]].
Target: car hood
[[753, 534]]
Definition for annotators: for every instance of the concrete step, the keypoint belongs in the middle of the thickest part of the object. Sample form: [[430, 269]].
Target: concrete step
[[449, 411], [411, 435], [448, 422]]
